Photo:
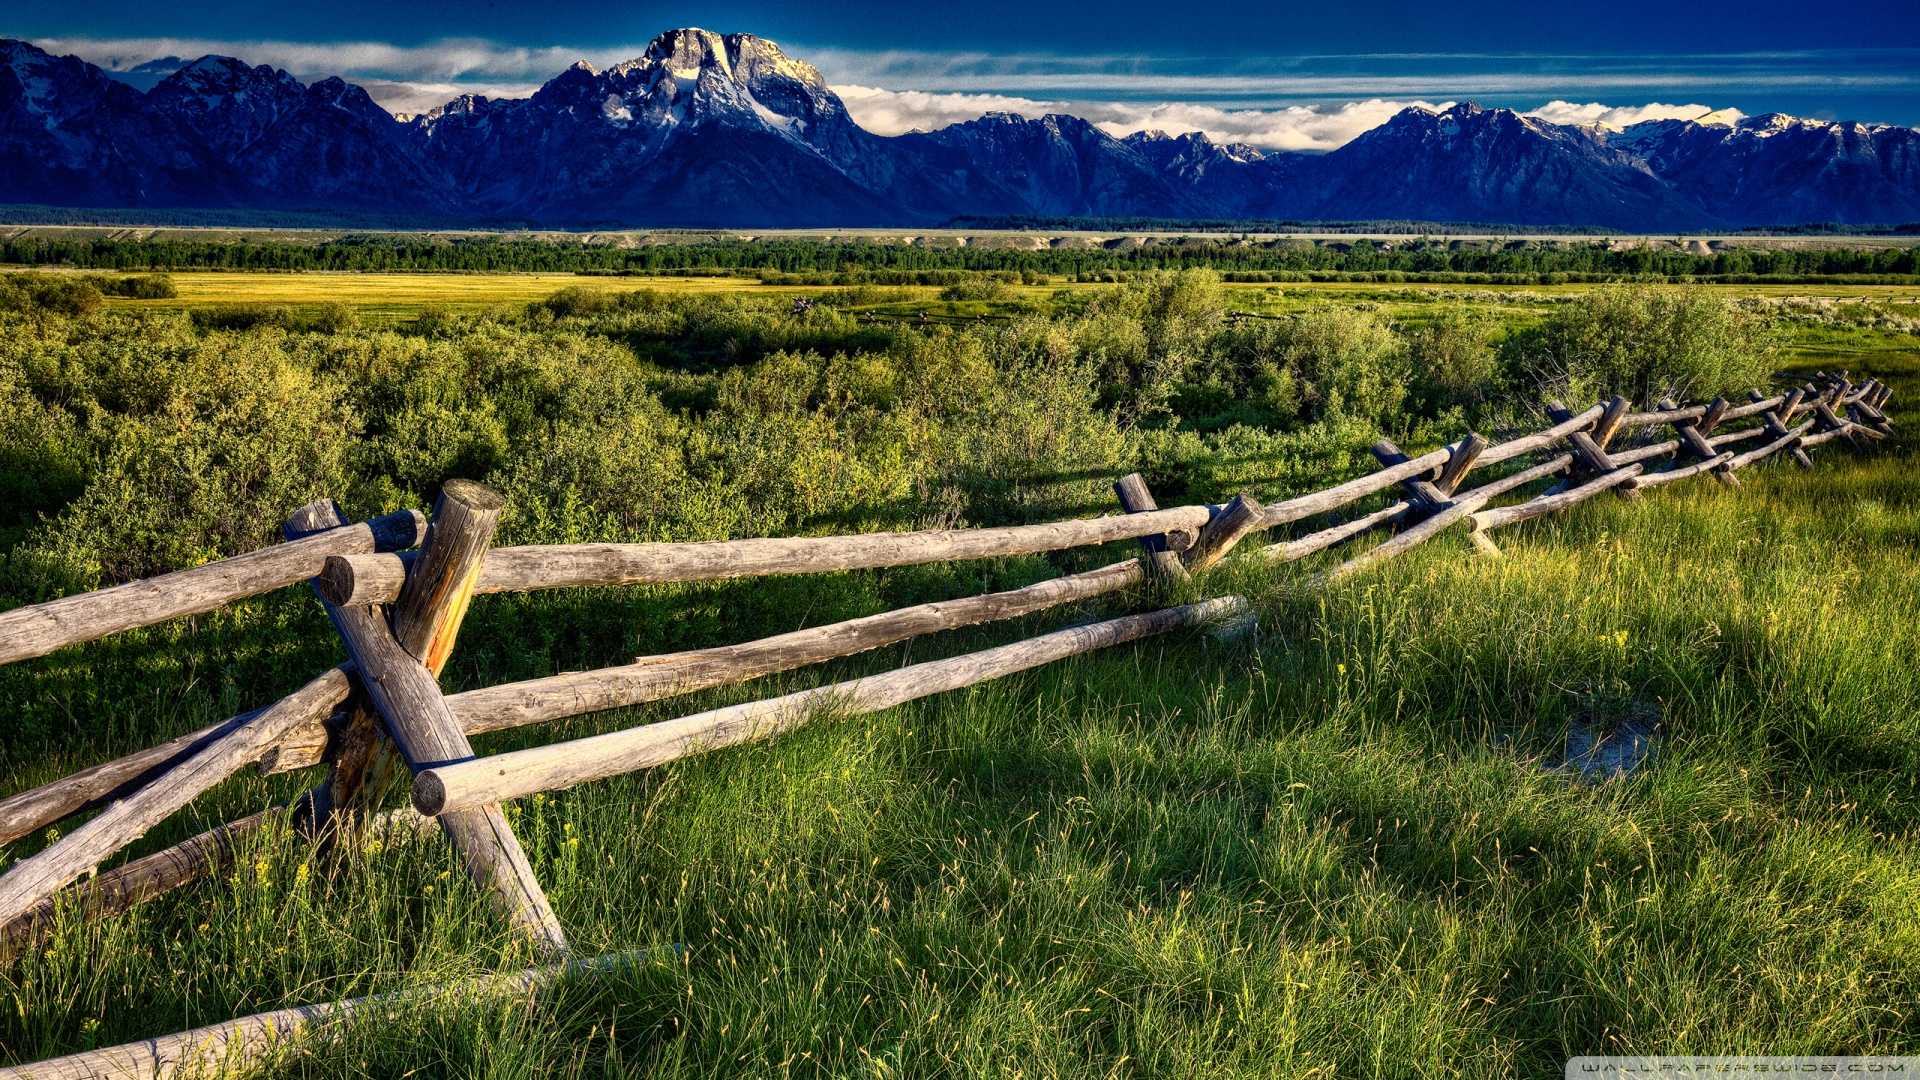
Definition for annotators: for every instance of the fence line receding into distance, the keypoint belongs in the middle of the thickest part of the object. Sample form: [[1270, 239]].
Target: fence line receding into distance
[[399, 616]]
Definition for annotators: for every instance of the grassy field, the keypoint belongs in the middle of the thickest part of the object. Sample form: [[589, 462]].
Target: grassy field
[[400, 295], [1343, 846]]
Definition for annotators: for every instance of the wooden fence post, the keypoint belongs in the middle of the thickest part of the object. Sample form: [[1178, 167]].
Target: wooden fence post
[[1590, 453], [1428, 497], [360, 754], [1136, 499], [1460, 461], [1240, 517], [394, 665], [1777, 419], [1831, 422], [1694, 442], [1609, 422]]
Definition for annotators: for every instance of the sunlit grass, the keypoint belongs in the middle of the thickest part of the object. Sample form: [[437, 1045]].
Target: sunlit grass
[[397, 295], [1338, 847]]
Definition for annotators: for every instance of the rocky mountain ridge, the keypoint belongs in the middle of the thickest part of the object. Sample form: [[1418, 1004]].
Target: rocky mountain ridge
[[711, 130]]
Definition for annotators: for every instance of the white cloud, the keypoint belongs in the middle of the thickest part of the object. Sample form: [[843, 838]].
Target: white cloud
[[1264, 82], [405, 98], [1566, 112], [1299, 127], [892, 112]]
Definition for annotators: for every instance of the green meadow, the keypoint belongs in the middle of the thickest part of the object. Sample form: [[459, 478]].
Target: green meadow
[[1346, 844]]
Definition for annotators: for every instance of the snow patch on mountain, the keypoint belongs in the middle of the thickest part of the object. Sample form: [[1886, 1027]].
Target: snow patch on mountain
[[1621, 117], [1304, 128]]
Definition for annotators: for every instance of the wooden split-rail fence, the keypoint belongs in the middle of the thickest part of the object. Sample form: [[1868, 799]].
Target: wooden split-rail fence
[[399, 615]]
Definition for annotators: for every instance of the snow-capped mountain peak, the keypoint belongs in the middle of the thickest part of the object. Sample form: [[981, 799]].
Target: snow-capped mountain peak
[[727, 129]]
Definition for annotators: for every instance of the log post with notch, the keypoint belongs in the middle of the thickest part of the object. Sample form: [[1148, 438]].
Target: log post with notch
[[1695, 443], [1426, 495], [397, 661], [1591, 455], [1234, 523], [1777, 419], [360, 754]]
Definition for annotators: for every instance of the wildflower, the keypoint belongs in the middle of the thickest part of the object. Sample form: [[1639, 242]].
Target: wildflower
[[300, 874], [53, 834], [1341, 668], [374, 846], [444, 874], [1620, 639], [260, 868], [429, 890]]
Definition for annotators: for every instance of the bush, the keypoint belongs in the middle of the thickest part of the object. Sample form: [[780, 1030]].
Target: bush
[[576, 300], [59, 294], [988, 289], [1149, 336], [243, 317], [1453, 361], [1323, 363], [333, 318], [140, 287], [436, 320], [1648, 342], [194, 447]]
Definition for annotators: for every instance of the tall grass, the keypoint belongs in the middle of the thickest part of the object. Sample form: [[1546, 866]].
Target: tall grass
[[1342, 846]]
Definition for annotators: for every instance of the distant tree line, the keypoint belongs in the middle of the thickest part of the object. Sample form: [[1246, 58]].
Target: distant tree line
[[823, 262]]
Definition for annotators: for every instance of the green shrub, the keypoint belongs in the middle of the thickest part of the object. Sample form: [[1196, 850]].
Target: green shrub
[[1321, 363], [332, 319], [576, 300], [243, 317], [981, 288], [1648, 342], [140, 287], [194, 447], [1453, 359], [59, 294], [1149, 336]]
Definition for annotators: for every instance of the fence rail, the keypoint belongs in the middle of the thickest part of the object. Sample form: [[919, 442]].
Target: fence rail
[[399, 615]]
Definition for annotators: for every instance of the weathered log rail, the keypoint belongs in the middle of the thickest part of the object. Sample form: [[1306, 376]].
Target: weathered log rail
[[399, 616]]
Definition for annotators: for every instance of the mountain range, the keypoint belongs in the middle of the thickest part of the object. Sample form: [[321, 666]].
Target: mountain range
[[728, 131]]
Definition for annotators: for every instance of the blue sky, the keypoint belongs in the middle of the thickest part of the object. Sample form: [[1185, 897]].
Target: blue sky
[[1301, 76]]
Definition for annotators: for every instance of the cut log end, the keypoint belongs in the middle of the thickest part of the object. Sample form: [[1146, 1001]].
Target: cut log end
[[429, 793], [359, 580], [473, 495]]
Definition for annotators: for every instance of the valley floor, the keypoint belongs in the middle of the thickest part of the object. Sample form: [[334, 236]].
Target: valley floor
[[399, 295]]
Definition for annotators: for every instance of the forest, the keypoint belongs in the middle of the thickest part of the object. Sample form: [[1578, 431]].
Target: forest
[[1482, 261]]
